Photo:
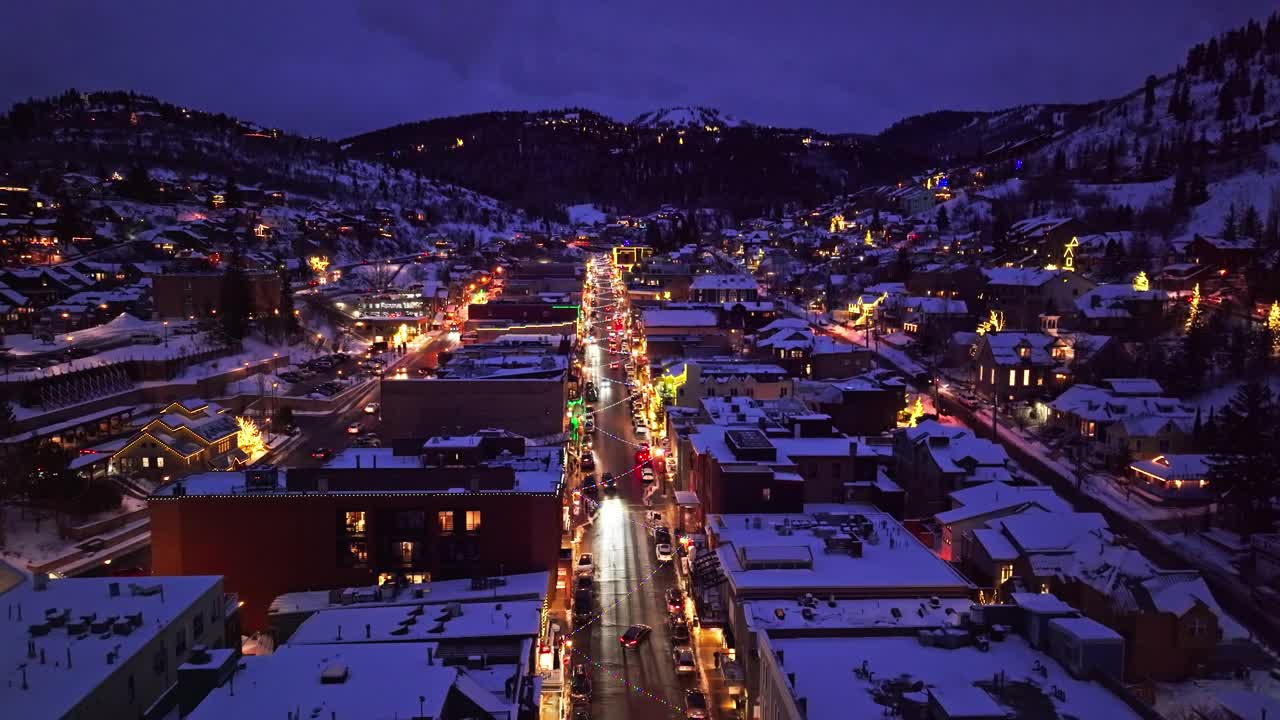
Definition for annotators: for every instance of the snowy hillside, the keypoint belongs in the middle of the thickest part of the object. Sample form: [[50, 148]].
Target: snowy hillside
[[678, 117]]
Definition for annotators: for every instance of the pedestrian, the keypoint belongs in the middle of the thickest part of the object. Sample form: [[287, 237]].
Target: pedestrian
[[717, 660]]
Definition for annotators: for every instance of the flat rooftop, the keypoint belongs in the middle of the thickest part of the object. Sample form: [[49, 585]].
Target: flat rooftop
[[892, 561], [420, 623], [53, 687], [912, 614], [381, 681], [525, 585], [824, 675]]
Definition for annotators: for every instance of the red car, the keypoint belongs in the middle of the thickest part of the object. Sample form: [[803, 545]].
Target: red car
[[635, 635], [615, 365], [321, 453]]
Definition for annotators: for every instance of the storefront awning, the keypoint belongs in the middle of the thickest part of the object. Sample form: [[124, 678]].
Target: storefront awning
[[686, 498]]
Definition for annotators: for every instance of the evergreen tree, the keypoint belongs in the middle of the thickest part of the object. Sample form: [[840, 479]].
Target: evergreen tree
[[1199, 189], [232, 195], [1230, 228], [1251, 223], [1226, 103], [1242, 466], [1179, 201], [1060, 162], [137, 184], [943, 221], [653, 235], [1149, 99], [1258, 103], [1184, 104], [235, 299], [289, 321]]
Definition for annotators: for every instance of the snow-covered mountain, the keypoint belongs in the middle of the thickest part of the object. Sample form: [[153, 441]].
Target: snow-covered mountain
[[687, 116]]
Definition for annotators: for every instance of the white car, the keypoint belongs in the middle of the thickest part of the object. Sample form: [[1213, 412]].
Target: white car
[[585, 566], [665, 552], [646, 474], [372, 408], [642, 432], [683, 658]]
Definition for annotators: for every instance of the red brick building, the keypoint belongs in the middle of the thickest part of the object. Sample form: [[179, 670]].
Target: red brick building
[[193, 294], [460, 509]]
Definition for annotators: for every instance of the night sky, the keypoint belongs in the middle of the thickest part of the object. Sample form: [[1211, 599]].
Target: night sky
[[335, 67]]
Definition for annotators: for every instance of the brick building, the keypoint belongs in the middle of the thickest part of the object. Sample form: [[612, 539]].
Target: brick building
[[457, 509], [197, 294]]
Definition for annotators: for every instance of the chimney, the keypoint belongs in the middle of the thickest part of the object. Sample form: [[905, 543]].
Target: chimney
[[113, 589]]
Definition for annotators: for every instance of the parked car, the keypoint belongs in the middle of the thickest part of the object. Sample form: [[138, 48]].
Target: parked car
[[675, 601], [679, 630], [610, 484], [322, 453], [682, 656], [642, 433], [665, 552], [354, 428], [695, 705], [646, 474], [588, 461], [635, 635], [580, 683], [586, 565]]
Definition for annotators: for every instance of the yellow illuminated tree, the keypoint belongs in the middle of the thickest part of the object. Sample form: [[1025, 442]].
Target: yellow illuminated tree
[[250, 439], [1193, 312], [318, 264], [837, 223], [866, 240], [914, 411], [993, 323], [1140, 282]]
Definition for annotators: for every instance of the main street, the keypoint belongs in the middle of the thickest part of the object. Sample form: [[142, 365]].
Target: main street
[[638, 682]]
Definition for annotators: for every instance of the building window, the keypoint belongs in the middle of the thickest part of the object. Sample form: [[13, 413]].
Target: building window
[[410, 520], [445, 518], [981, 373], [354, 522], [407, 552], [1006, 572], [159, 461], [473, 521], [1013, 378], [766, 494], [146, 462], [355, 554], [1026, 377]]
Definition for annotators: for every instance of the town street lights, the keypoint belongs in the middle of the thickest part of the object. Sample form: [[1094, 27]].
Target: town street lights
[[166, 333]]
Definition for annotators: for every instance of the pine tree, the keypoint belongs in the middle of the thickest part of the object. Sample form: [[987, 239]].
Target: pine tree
[[1258, 103], [1149, 99], [1230, 228], [653, 235], [1242, 466], [1251, 223], [1226, 103], [235, 299], [289, 321], [1179, 201], [944, 222], [1199, 189], [1184, 104]]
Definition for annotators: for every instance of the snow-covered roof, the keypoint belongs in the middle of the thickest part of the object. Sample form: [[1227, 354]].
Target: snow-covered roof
[[53, 688], [1005, 347], [979, 500], [678, 318], [521, 586], [1021, 277], [373, 623], [954, 448], [1174, 467], [379, 680], [894, 561], [823, 670], [722, 282]]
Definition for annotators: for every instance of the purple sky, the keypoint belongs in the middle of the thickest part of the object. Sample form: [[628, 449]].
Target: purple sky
[[331, 67]]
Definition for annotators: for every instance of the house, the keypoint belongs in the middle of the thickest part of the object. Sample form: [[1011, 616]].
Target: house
[[724, 289], [1046, 240], [932, 460], [936, 317], [1125, 417], [1022, 294], [1171, 623], [1018, 365], [1173, 479], [187, 437], [1128, 309], [973, 507], [866, 404], [791, 343], [1220, 253]]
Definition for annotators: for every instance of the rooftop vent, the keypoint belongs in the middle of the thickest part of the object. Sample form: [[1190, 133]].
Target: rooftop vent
[[334, 674]]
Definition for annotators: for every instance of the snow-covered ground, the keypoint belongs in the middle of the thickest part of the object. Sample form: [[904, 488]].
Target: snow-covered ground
[[585, 214]]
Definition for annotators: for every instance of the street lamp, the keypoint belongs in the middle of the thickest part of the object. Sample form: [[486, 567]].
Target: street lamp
[[166, 333]]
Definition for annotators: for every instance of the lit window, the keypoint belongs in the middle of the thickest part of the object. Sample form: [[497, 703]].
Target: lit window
[[160, 462], [766, 494], [146, 462], [446, 521], [1013, 378], [473, 521], [1026, 376], [355, 521], [1006, 572]]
